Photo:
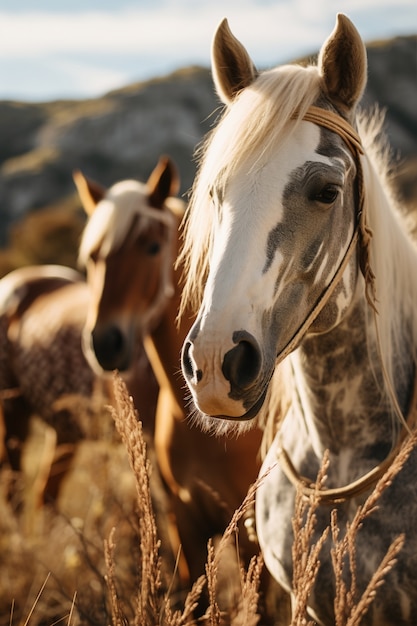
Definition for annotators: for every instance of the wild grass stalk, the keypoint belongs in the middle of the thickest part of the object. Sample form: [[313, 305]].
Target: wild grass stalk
[[305, 556], [152, 606], [130, 430], [350, 607], [132, 564]]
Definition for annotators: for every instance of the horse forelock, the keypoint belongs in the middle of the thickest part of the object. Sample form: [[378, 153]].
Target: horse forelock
[[115, 216], [248, 130]]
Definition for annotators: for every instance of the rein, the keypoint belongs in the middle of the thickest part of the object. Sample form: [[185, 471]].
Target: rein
[[357, 487], [362, 235]]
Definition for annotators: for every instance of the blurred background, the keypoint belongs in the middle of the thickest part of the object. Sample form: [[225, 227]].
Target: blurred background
[[108, 86]]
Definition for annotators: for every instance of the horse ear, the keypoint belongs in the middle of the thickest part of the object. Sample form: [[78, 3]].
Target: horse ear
[[163, 182], [89, 191], [232, 67], [343, 64]]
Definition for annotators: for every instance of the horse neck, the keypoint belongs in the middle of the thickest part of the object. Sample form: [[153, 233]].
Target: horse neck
[[340, 386], [164, 345]]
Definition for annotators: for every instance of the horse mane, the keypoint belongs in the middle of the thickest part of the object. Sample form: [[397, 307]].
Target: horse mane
[[393, 253], [114, 217]]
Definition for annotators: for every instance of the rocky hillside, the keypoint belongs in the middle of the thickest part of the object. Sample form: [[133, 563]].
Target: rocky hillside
[[122, 134]]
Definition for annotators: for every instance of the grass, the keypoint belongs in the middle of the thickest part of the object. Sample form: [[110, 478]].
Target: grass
[[350, 608], [98, 555]]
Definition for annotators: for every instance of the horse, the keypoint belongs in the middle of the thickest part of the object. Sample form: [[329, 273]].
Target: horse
[[302, 272], [39, 357], [206, 478], [44, 368]]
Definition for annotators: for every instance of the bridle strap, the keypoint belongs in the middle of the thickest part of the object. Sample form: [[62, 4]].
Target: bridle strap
[[336, 123], [324, 298], [357, 487], [362, 235]]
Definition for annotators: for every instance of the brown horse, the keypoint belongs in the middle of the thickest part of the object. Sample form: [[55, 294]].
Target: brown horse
[[207, 477], [32, 371], [43, 367]]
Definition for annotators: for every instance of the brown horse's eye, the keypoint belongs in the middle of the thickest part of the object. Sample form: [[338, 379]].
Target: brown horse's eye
[[154, 248]]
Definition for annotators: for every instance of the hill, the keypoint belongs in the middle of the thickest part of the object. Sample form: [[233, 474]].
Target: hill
[[121, 134]]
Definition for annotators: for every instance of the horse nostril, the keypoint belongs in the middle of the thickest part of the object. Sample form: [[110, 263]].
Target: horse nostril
[[242, 363], [189, 368]]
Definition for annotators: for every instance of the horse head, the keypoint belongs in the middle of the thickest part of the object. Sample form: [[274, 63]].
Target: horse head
[[126, 249], [273, 217]]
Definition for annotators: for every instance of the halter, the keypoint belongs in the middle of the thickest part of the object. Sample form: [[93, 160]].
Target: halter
[[362, 235], [357, 487], [339, 125]]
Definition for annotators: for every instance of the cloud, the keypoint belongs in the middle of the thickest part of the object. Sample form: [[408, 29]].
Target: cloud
[[97, 49], [91, 32], [144, 30], [89, 78]]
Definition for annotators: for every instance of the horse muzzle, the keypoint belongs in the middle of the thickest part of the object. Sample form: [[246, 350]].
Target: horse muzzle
[[225, 386], [108, 348]]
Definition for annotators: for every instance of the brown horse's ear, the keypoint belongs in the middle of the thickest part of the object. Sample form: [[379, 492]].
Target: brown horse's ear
[[343, 64], [232, 67], [89, 191], [163, 182]]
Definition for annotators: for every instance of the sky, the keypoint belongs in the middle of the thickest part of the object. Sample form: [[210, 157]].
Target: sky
[[52, 49]]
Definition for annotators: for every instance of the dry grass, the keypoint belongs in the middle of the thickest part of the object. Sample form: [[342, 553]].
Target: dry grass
[[305, 554], [47, 235], [152, 607], [99, 557], [350, 608]]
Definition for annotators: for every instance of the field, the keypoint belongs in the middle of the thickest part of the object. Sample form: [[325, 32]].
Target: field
[[95, 556], [99, 555]]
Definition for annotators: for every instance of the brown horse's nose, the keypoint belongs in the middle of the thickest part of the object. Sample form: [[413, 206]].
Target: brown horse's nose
[[242, 364], [111, 348]]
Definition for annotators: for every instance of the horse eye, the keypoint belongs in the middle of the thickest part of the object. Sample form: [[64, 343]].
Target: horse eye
[[153, 248], [327, 195]]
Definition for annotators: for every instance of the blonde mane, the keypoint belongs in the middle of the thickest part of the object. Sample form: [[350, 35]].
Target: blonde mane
[[393, 255]]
